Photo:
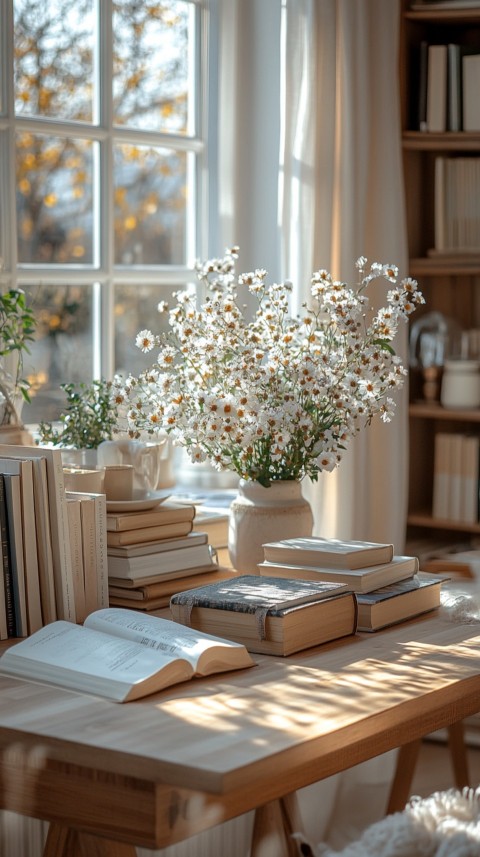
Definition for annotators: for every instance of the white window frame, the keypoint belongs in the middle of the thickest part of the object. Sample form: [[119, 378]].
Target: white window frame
[[106, 274]]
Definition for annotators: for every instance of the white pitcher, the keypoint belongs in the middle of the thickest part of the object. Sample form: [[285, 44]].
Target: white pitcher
[[145, 458]]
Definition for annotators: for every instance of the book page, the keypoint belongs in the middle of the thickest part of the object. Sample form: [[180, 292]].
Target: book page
[[170, 637], [83, 659]]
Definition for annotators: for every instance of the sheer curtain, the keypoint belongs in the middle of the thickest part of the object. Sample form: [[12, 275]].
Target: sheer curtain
[[341, 197]]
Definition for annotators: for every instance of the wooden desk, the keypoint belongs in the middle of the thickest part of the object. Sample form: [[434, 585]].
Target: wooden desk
[[159, 770]]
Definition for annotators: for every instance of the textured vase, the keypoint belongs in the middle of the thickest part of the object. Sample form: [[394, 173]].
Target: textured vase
[[259, 515]]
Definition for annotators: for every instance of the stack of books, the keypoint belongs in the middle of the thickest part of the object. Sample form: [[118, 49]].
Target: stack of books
[[43, 544], [388, 588], [153, 553]]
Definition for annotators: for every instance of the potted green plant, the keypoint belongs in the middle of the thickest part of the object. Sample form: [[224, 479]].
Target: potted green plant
[[89, 418], [17, 328]]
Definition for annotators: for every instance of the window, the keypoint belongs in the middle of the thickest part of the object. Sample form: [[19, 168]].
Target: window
[[103, 168]]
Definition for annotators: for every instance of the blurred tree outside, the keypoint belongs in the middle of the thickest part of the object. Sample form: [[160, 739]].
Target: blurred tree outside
[[60, 203]]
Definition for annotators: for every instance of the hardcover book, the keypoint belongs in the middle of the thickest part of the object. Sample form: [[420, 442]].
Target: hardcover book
[[357, 579], [148, 534], [196, 556], [158, 547], [166, 513], [333, 553], [271, 616], [120, 655], [399, 601], [160, 587]]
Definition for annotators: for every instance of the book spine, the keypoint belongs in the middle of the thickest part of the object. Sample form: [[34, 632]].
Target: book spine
[[470, 87], [437, 88], [76, 549], [65, 598], [101, 549], [15, 552], [7, 571], [44, 541], [422, 86]]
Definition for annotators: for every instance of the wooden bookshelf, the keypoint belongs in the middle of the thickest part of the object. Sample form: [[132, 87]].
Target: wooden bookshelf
[[450, 282]]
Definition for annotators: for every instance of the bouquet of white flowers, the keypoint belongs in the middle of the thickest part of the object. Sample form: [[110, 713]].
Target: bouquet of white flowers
[[275, 397]]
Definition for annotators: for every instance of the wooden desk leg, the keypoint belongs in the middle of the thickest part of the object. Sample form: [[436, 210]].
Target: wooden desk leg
[[64, 842], [274, 823], [458, 754], [402, 781]]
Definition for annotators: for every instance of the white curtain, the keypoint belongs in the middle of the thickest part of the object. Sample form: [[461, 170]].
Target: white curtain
[[338, 187], [333, 194], [342, 197]]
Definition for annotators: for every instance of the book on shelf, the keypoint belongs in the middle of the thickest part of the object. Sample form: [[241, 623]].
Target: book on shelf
[[334, 553], [470, 478], [357, 579], [470, 90], [441, 475], [440, 205], [455, 477], [57, 502], [456, 474], [398, 601], [120, 655], [165, 513], [160, 546], [454, 87], [180, 559], [421, 88], [270, 616], [148, 534], [456, 209], [156, 595], [13, 496], [437, 88]]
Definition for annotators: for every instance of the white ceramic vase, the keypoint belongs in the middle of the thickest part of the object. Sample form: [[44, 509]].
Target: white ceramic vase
[[259, 515]]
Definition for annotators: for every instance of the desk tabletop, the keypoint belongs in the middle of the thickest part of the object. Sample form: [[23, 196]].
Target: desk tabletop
[[330, 706]]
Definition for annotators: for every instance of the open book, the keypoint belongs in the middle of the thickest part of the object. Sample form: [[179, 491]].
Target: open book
[[120, 655]]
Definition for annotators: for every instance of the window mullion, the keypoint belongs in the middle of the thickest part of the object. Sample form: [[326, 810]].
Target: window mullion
[[10, 224], [104, 319]]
